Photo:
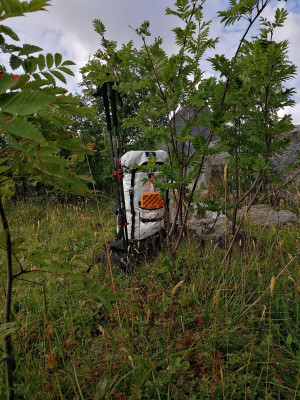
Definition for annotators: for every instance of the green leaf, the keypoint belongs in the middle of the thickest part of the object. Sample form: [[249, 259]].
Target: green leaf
[[11, 8], [20, 127], [36, 5], [200, 144], [66, 71], [3, 160], [4, 168], [7, 81], [29, 66], [89, 283], [289, 339], [28, 102], [49, 60], [59, 76], [48, 76], [41, 62], [99, 27], [29, 49], [9, 32], [58, 59], [15, 62], [68, 62]]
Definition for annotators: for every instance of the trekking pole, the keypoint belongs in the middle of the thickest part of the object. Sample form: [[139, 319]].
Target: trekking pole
[[112, 97], [122, 221]]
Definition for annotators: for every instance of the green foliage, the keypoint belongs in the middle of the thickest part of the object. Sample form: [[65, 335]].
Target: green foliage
[[37, 145], [170, 98], [156, 87]]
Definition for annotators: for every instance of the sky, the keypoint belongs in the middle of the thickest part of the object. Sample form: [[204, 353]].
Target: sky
[[67, 28]]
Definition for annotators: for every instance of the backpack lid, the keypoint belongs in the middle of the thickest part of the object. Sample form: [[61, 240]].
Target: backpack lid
[[141, 157]]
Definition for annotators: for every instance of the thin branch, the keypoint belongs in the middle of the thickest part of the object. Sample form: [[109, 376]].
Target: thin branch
[[3, 359], [10, 361], [38, 270], [241, 223], [251, 22]]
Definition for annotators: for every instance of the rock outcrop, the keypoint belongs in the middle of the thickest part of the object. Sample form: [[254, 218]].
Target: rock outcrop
[[282, 161], [214, 166], [263, 214]]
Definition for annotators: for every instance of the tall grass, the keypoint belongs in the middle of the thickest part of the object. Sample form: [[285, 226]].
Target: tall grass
[[193, 328]]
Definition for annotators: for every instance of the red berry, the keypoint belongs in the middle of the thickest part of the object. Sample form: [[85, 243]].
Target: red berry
[[38, 148], [15, 78], [7, 118]]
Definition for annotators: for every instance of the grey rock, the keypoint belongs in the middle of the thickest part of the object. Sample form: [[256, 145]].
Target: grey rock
[[214, 167], [263, 214], [213, 227], [187, 114], [281, 161]]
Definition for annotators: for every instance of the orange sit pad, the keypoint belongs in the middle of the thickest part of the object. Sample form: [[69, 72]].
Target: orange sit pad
[[152, 200]]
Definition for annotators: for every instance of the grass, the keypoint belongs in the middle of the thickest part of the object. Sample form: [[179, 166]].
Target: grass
[[193, 328]]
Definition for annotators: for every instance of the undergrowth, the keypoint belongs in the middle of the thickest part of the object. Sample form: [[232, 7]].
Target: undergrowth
[[193, 328]]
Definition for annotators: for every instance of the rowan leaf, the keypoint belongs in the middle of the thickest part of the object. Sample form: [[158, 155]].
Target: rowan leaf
[[29, 66], [49, 60], [49, 77], [9, 32], [29, 49], [68, 62], [36, 5], [58, 59], [66, 71], [7, 81], [20, 127], [41, 62], [59, 76], [15, 62], [28, 102]]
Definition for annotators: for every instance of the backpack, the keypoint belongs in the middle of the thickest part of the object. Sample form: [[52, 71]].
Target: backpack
[[146, 207]]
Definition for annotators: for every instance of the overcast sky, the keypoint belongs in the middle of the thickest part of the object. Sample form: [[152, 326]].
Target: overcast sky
[[67, 28]]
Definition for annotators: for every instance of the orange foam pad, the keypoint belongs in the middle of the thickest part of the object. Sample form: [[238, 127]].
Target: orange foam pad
[[152, 200]]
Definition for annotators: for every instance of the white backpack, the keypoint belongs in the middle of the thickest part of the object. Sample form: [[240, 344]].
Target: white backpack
[[144, 203]]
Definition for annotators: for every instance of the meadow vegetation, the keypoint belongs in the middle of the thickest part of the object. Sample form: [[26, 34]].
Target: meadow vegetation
[[189, 328]]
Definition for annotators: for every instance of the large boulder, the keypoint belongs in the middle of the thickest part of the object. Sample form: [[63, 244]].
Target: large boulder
[[263, 214], [214, 166], [282, 161], [213, 227], [187, 114]]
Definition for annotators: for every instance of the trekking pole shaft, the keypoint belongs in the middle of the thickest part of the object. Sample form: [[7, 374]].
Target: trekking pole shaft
[[115, 163], [112, 97]]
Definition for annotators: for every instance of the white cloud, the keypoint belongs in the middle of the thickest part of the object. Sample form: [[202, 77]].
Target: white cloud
[[67, 28]]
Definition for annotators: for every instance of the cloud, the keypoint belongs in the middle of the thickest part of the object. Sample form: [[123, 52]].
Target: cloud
[[67, 28]]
